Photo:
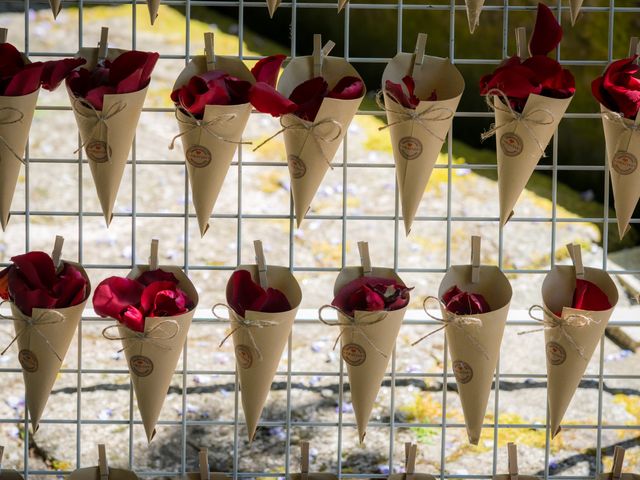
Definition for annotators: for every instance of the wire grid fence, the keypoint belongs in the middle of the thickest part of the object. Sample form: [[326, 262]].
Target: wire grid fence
[[516, 319]]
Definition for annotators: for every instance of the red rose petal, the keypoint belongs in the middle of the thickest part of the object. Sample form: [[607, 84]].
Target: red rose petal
[[54, 72], [95, 96], [25, 81], [70, 288], [238, 90], [169, 303], [36, 268], [148, 297], [132, 318], [348, 88], [276, 302], [159, 275], [11, 60], [114, 294], [4, 283], [266, 70], [309, 96], [242, 292], [547, 32], [588, 296], [267, 99]]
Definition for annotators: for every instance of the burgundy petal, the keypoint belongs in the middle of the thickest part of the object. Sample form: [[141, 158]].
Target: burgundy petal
[[309, 96], [158, 275], [348, 88], [148, 298], [276, 302], [132, 318], [243, 293], [266, 70], [55, 71], [25, 81], [70, 288], [267, 99], [114, 294], [547, 32], [36, 268]]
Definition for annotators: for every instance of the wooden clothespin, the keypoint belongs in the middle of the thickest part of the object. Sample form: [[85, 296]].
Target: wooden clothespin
[[522, 49], [512, 452], [475, 258], [103, 466], [365, 258], [418, 54], [410, 453], [153, 256], [319, 52], [618, 460], [1, 455], [304, 460], [103, 46], [261, 262], [57, 251], [203, 462], [209, 51], [4, 33], [576, 257]]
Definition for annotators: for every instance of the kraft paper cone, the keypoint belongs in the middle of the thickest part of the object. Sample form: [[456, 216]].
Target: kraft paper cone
[[8, 474], [93, 473], [520, 147], [197, 476], [208, 157], [16, 114], [310, 150], [154, 6], [574, 7], [39, 349], [153, 363], [415, 149], [617, 467], [312, 476], [474, 8], [256, 368], [623, 152], [272, 5], [565, 366], [468, 344], [107, 144], [56, 6], [366, 366], [341, 4]]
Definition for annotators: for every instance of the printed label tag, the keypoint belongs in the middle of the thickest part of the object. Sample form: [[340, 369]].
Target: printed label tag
[[410, 147], [297, 168], [555, 353], [244, 357], [198, 156], [97, 151], [140, 365], [28, 361], [511, 144], [354, 354], [462, 371], [624, 163]]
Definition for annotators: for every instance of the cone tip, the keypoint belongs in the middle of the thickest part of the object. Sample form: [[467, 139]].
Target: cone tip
[[555, 431], [361, 436], [204, 229], [151, 435]]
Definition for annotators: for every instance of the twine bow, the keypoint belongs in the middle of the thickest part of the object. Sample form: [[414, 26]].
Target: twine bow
[[550, 321], [11, 122], [452, 319], [150, 337], [351, 325], [31, 323], [432, 114], [526, 120], [238, 322], [195, 123], [101, 119], [629, 127]]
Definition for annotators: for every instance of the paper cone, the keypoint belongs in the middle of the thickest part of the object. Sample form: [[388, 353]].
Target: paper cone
[[196, 476], [574, 7], [314, 476], [8, 474], [154, 6], [39, 362], [56, 6], [14, 130], [93, 473], [257, 369], [365, 365], [272, 5], [341, 4], [474, 8], [623, 152], [415, 150], [152, 364], [473, 371], [123, 112], [565, 366], [208, 158], [518, 151], [309, 158]]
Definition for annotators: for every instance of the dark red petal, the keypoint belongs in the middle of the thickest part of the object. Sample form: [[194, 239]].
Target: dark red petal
[[309, 96], [11, 59], [4, 283], [243, 292], [169, 303], [159, 275], [36, 268], [238, 90], [132, 318], [25, 297], [395, 91], [547, 32], [276, 302], [114, 294], [342, 301], [70, 288], [267, 99], [266, 70], [514, 82], [449, 294], [136, 64], [148, 298], [95, 96], [542, 67], [588, 296], [364, 299], [25, 81], [79, 82], [348, 88], [55, 71]]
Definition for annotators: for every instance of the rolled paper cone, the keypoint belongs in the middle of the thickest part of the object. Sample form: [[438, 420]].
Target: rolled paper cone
[[474, 8], [341, 4], [272, 5], [208, 157], [107, 144], [93, 473], [152, 364], [468, 344], [56, 6], [154, 6], [196, 476], [310, 152], [39, 352], [366, 366], [623, 152], [313, 476], [415, 149], [574, 7], [16, 114], [8, 474], [519, 147], [256, 368], [565, 365]]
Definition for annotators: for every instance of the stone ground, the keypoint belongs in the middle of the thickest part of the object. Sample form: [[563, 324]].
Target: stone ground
[[418, 398]]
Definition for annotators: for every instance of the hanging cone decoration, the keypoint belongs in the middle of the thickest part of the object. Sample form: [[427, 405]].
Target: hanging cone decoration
[[204, 473], [474, 339], [5, 473], [211, 143], [474, 8], [273, 5], [305, 474], [341, 4], [56, 6], [616, 472], [102, 471], [417, 135], [571, 337], [574, 8], [513, 466], [410, 454], [154, 6], [259, 338], [311, 146]]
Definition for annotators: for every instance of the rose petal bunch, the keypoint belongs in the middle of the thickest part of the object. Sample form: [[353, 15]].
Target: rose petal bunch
[[155, 293], [128, 73], [370, 294], [19, 77], [538, 74], [243, 294], [618, 88], [404, 93], [588, 296], [33, 282], [459, 302]]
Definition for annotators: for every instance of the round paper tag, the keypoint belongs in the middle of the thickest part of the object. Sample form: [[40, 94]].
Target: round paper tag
[[198, 156], [244, 357], [624, 163], [511, 144], [410, 147], [28, 361], [297, 167], [140, 365], [462, 371], [97, 151], [556, 353], [354, 354]]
